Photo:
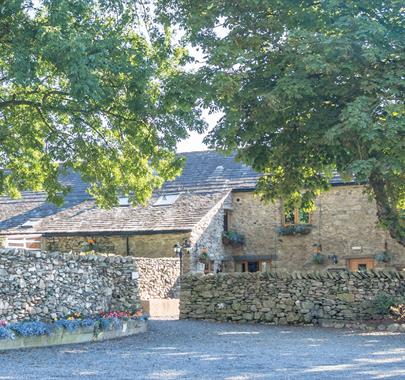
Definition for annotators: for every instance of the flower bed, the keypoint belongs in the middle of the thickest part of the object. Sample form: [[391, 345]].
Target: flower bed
[[74, 328]]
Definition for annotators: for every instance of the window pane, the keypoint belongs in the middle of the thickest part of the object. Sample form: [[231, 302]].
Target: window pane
[[265, 266], [303, 217], [226, 221], [289, 217], [238, 267], [253, 266], [362, 267]]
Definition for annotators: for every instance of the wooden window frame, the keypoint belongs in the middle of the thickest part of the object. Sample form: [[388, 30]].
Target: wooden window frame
[[356, 261], [296, 218], [226, 220], [260, 263], [209, 267]]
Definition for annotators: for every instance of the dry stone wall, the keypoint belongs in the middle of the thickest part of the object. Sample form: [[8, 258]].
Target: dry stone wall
[[42, 285], [284, 298], [158, 278]]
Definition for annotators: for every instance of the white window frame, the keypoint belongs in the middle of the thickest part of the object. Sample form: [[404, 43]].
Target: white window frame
[[23, 242]]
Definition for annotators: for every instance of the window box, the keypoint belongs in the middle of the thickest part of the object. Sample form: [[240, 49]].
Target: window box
[[294, 229], [233, 239], [318, 258]]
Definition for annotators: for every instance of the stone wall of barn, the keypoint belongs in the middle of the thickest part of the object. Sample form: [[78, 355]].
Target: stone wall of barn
[[284, 298], [158, 277], [344, 223], [208, 234], [148, 245]]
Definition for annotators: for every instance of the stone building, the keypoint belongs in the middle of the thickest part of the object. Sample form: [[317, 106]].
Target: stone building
[[215, 194]]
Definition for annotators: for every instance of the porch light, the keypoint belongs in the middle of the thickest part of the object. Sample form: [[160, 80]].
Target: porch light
[[180, 249], [334, 259], [177, 249]]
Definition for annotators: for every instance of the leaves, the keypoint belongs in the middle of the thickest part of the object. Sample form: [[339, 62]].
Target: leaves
[[306, 88], [84, 86]]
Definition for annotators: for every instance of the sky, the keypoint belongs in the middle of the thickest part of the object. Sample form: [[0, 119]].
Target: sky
[[195, 140]]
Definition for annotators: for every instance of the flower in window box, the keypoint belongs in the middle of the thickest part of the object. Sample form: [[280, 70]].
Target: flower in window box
[[383, 257], [89, 246], [233, 238], [203, 257], [294, 229], [318, 258]]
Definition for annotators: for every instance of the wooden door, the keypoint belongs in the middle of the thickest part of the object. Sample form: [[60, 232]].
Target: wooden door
[[355, 265]]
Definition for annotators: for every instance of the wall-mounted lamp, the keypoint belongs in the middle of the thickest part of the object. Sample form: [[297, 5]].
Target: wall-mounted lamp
[[334, 258], [180, 249]]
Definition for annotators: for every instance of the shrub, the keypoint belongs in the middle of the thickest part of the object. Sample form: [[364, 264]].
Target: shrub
[[383, 302]]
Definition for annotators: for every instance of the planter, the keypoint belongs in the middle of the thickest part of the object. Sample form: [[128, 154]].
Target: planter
[[318, 258], [294, 229], [233, 239], [80, 335]]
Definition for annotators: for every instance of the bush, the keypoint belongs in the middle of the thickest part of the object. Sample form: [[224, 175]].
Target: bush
[[383, 302]]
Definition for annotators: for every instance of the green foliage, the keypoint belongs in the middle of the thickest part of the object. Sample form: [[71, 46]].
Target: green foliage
[[383, 257], [306, 88], [382, 303], [233, 238], [93, 86], [318, 258], [294, 229]]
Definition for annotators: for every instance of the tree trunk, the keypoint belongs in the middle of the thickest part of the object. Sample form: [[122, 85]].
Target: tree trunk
[[387, 214]]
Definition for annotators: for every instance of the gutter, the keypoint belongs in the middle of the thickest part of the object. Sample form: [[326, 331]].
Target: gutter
[[250, 189], [114, 233]]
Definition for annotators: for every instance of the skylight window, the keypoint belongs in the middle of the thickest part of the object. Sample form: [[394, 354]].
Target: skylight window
[[123, 201], [30, 223], [166, 200]]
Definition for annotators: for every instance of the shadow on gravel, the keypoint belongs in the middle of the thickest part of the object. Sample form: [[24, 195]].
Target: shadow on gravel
[[205, 350]]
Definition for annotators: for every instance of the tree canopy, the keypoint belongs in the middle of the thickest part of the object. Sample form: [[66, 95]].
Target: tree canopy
[[93, 86], [306, 87]]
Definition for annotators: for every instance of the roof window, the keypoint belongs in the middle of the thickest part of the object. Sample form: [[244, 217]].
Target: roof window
[[123, 201], [30, 223], [166, 200]]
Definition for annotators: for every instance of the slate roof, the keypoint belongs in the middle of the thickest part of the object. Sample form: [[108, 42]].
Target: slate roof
[[206, 179]]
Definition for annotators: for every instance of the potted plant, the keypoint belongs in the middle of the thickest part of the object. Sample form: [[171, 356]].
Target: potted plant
[[383, 257], [203, 257], [318, 258], [89, 246], [294, 229], [233, 238]]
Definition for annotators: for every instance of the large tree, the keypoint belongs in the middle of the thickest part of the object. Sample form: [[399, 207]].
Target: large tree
[[90, 86], [306, 88]]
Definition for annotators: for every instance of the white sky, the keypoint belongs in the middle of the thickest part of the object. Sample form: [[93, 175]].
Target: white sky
[[194, 142]]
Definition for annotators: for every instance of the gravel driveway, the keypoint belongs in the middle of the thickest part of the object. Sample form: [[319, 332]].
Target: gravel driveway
[[205, 350]]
